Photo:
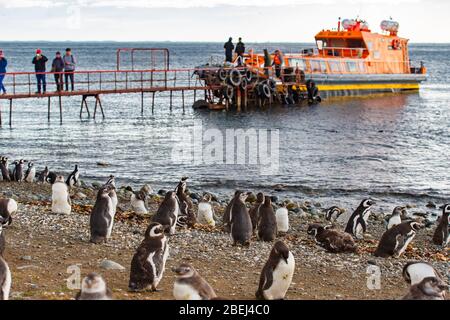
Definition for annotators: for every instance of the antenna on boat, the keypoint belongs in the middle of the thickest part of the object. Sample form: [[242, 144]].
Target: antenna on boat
[[339, 24]]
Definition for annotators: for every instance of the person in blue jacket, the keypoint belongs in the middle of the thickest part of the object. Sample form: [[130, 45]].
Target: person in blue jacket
[[3, 64]]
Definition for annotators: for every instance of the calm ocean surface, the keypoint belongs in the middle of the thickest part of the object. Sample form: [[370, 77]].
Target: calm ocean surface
[[393, 147]]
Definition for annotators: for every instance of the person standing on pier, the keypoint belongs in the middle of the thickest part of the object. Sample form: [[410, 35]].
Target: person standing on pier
[[229, 47], [58, 68], [3, 64], [69, 68], [277, 63], [39, 62], [240, 50]]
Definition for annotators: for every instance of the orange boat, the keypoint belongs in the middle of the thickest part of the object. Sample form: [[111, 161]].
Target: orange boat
[[349, 60]]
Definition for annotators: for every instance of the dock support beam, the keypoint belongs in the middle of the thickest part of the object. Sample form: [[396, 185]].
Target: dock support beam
[[142, 102], [153, 101], [98, 102], [182, 97], [10, 112], [83, 102], [171, 94], [60, 109], [0, 115], [48, 115]]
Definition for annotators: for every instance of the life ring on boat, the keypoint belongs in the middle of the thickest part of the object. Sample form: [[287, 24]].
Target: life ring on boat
[[264, 91], [235, 77], [249, 75], [222, 74], [395, 44], [228, 92], [272, 85], [244, 83]]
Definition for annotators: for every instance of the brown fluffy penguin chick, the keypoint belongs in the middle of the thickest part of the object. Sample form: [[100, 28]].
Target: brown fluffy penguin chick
[[254, 211], [430, 288], [94, 287], [189, 285], [267, 224], [332, 240]]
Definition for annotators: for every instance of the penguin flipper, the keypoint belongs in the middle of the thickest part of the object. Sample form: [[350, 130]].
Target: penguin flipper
[[363, 224]]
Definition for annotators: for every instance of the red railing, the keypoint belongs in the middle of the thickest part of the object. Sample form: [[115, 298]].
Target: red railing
[[155, 53]]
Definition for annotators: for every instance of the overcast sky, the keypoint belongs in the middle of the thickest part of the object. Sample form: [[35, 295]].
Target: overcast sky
[[213, 20]]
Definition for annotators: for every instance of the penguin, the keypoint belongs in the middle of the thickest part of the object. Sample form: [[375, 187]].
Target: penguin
[[189, 285], [254, 211], [227, 212], [332, 214], [357, 224], [185, 203], [51, 177], [415, 272], [168, 212], [93, 287], [267, 224], [332, 240], [30, 173], [282, 217], [149, 261], [441, 235], [112, 193], [5, 279], [206, 211], [61, 202], [43, 175], [395, 218], [395, 240], [7, 208], [277, 273], [72, 179], [139, 199], [4, 169], [430, 288], [18, 170], [241, 224], [2, 237], [102, 216]]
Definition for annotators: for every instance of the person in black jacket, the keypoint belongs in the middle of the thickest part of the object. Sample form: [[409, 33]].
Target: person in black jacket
[[229, 47], [240, 50], [39, 62], [58, 68]]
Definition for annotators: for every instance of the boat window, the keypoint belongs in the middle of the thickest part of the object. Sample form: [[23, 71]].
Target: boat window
[[323, 66], [370, 45], [319, 44], [315, 66], [300, 63], [362, 66], [352, 67], [335, 66], [376, 54]]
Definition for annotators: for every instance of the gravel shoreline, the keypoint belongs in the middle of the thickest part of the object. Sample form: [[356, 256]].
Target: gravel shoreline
[[42, 245]]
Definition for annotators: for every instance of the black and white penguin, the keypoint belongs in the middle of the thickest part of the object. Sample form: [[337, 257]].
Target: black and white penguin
[[4, 168], [102, 216], [185, 203], [189, 285], [112, 193], [241, 224], [30, 173], [267, 223], [205, 211], [254, 210], [73, 178], [357, 224], [430, 288], [332, 214], [395, 218], [395, 240], [42, 177], [51, 177], [61, 202], [226, 220], [415, 272], [149, 261], [2, 237], [282, 217], [332, 240], [93, 287], [7, 208], [168, 212], [441, 235], [5, 280], [18, 170], [277, 273], [139, 199]]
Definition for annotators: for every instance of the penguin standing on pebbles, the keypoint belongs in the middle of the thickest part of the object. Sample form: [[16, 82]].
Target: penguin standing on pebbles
[[282, 217], [415, 272], [102, 216], [395, 218], [139, 199], [7, 208], [18, 170], [5, 279], [227, 213], [241, 224], [30, 173], [357, 224], [43, 175], [73, 178], [332, 240], [254, 211], [149, 261], [396, 240], [2, 237], [206, 211], [51, 177], [61, 202], [441, 236], [185, 203], [430, 288], [4, 169], [277, 273], [94, 287], [112, 193], [333, 213], [168, 212], [267, 224], [189, 285]]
